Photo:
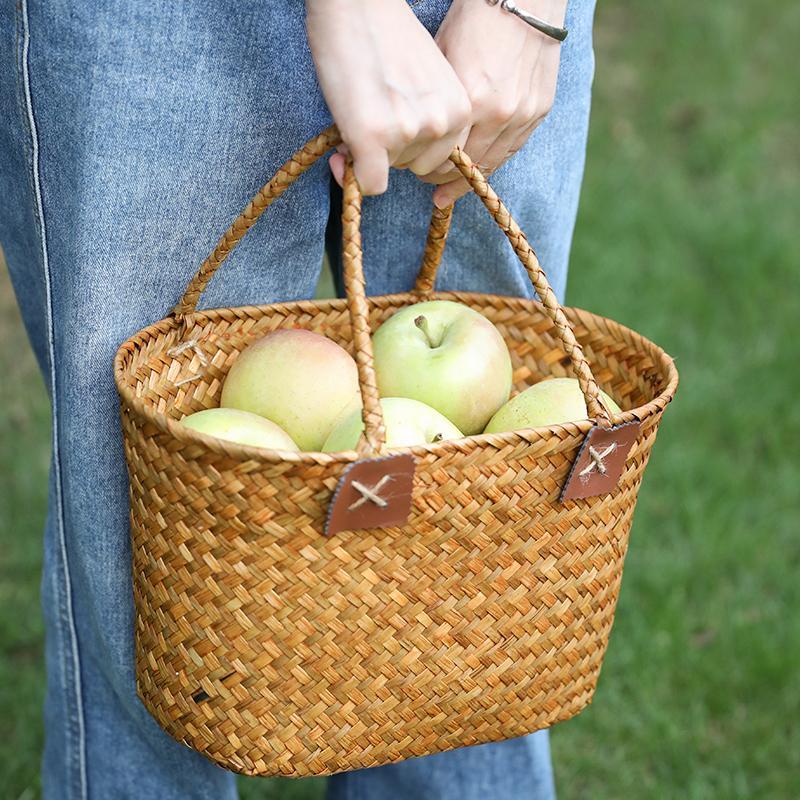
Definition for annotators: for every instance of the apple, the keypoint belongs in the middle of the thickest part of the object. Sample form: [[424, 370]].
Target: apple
[[408, 422], [549, 402], [446, 355], [240, 426], [298, 379]]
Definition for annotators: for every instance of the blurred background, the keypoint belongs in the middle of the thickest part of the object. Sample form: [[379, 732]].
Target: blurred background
[[688, 232]]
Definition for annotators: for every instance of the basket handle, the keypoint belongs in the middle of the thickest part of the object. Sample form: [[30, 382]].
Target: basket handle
[[286, 175], [525, 253], [434, 247], [373, 440]]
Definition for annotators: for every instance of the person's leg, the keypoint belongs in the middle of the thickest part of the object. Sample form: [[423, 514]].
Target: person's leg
[[518, 769], [540, 185], [129, 140]]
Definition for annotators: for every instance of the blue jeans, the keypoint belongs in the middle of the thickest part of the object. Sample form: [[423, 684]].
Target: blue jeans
[[129, 138]]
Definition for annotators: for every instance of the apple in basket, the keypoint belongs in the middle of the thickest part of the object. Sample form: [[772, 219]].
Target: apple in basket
[[446, 355], [241, 427], [301, 380], [408, 422], [549, 402]]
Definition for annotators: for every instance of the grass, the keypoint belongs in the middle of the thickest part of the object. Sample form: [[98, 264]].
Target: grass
[[687, 233], [24, 451]]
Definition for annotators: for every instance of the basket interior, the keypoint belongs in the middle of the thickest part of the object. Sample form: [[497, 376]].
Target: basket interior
[[177, 381]]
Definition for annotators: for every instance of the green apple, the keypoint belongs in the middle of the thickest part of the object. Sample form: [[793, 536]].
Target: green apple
[[301, 380], [549, 402], [408, 422], [446, 355], [240, 426]]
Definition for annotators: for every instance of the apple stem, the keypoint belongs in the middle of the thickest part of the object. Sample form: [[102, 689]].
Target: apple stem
[[422, 323]]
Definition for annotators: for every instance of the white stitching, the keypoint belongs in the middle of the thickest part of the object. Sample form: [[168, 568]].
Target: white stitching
[[59, 515], [370, 493], [194, 346], [188, 379], [597, 460]]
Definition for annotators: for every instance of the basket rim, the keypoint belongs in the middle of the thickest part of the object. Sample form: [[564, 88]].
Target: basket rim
[[248, 453]]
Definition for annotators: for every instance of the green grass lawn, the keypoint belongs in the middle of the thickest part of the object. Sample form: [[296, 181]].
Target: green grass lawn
[[688, 233]]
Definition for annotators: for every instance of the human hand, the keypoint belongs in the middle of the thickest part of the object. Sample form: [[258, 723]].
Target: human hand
[[509, 71], [391, 91]]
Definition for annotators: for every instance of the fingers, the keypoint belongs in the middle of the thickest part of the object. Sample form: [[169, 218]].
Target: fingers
[[506, 145], [481, 138], [371, 170], [371, 161], [435, 157], [481, 141], [418, 136], [422, 140], [448, 193], [495, 155], [371, 167], [336, 164], [488, 148]]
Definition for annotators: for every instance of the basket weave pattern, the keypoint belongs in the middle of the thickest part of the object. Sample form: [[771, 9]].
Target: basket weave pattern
[[275, 650]]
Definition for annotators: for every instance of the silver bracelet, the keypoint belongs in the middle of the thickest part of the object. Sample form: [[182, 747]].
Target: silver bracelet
[[553, 31]]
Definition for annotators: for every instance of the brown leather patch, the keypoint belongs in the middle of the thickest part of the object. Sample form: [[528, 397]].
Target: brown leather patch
[[374, 493], [600, 461]]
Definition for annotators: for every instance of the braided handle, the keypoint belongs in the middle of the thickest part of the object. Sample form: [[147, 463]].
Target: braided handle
[[434, 247], [374, 437], [373, 440], [501, 215]]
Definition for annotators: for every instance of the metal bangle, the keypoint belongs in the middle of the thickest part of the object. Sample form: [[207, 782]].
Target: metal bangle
[[553, 31]]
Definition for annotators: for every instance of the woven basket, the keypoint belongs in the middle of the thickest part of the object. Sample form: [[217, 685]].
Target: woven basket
[[277, 650]]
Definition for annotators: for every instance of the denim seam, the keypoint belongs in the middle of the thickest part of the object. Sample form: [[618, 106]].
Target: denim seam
[[19, 44], [75, 731]]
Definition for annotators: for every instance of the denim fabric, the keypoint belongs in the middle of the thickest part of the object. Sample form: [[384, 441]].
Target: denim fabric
[[131, 135]]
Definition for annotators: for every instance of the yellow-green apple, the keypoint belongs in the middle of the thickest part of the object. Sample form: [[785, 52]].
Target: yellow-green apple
[[240, 426], [408, 422], [301, 380], [549, 402], [447, 355]]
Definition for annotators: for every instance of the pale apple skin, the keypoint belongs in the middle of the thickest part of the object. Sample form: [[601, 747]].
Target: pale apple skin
[[242, 427], [408, 422], [301, 380], [550, 402], [467, 377]]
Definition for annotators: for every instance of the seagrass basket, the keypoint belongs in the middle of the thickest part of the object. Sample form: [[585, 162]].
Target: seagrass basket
[[276, 642]]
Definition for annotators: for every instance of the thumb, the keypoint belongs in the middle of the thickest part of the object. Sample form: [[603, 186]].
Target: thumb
[[448, 193], [336, 163]]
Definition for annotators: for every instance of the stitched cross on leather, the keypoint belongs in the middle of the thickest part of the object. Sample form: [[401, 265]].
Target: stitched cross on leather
[[600, 461], [373, 493]]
